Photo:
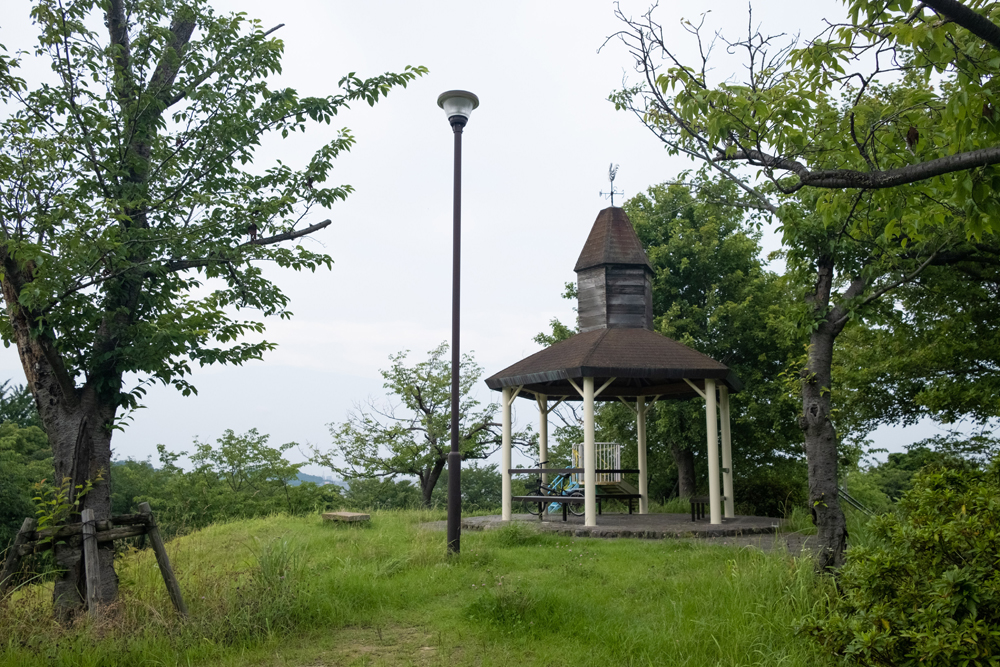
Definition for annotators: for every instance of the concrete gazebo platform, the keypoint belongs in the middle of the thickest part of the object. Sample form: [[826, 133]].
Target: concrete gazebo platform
[[648, 526]]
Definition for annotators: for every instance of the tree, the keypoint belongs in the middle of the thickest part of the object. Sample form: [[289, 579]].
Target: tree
[[934, 350], [870, 188], [25, 460], [413, 437], [245, 463], [17, 405], [240, 476], [711, 291], [132, 218]]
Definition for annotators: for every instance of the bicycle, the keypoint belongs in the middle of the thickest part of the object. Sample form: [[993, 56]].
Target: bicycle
[[561, 485]]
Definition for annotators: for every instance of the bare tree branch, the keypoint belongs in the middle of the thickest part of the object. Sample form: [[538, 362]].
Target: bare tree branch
[[974, 22], [184, 264]]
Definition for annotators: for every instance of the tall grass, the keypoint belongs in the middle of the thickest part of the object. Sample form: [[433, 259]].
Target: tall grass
[[295, 591]]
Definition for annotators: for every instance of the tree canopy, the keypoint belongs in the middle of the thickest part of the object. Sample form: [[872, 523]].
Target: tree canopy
[[874, 147], [409, 434]]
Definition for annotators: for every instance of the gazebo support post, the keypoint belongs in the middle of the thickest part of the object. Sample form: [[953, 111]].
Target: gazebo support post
[[727, 451], [506, 399], [589, 455], [543, 434], [640, 427], [712, 424], [543, 437]]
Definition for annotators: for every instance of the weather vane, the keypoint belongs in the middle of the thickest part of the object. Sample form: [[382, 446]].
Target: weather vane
[[612, 172]]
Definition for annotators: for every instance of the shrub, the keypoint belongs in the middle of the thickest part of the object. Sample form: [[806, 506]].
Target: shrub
[[926, 590], [381, 494], [771, 491]]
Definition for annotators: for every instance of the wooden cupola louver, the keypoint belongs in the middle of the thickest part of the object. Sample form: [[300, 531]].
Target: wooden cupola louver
[[614, 277]]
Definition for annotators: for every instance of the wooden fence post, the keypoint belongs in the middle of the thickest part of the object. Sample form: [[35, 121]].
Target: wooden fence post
[[14, 555], [173, 588], [91, 567]]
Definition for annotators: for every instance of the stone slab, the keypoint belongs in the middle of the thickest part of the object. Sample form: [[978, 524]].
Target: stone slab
[[347, 517]]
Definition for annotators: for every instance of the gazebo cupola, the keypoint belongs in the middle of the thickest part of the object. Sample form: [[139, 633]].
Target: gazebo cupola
[[613, 276]]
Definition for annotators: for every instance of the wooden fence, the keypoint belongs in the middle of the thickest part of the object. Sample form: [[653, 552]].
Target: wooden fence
[[91, 533]]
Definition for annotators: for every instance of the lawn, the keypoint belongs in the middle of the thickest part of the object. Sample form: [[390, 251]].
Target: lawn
[[296, 591]]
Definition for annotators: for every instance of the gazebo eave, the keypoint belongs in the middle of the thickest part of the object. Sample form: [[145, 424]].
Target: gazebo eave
[[629, 382]]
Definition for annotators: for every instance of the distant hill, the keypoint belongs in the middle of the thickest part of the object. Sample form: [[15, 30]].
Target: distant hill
[[317, 480]]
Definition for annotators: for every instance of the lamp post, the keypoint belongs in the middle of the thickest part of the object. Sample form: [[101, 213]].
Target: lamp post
[[458, 106]]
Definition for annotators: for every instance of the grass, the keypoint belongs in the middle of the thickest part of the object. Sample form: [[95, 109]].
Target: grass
[[296, 591]]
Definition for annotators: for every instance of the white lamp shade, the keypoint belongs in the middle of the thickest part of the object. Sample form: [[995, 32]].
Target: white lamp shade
[[458, 103]]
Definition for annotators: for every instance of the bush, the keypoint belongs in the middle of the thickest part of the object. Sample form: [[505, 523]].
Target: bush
[[381, 494], [926, 590], [771, 491]]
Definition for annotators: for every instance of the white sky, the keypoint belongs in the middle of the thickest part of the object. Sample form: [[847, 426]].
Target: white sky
[[536, 154]]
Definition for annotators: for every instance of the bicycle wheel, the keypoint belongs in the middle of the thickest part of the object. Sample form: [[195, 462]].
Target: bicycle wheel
[[531, 507], [576, 510]]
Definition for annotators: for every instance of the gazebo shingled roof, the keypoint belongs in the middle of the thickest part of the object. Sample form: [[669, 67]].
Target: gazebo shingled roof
[[612, 240], [644, 362]]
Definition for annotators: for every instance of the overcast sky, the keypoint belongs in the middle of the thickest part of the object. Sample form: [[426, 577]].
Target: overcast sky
[[536, 155]]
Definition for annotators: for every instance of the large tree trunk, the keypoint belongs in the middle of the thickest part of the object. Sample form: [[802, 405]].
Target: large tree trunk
[[81, 447], [429, 479], [684, 460], [820, 436], [821, 453], [78, 423]]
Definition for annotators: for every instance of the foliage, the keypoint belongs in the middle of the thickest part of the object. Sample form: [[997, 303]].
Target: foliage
[[25, 459], [481, 488], [17, 405], [241, 476], [928, 590], [933, 350], [365, 493], [139, 186], [829, 116], [956, 451], [867, 145], [134, 220], [131, 479], [412, 437], [771, 490], [55, 504], [245, 462]]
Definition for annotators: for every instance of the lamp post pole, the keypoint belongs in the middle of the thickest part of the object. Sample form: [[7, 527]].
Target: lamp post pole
[[457, 104]]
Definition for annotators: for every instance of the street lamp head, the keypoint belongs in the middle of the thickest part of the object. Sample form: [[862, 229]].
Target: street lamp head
[[458, 105]]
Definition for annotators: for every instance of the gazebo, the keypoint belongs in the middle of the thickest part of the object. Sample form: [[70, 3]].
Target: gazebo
[[618, 357]]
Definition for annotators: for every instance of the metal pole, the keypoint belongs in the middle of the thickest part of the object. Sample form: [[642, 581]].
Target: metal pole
[[455, 456]]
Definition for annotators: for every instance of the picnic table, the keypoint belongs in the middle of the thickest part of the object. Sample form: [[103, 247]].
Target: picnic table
[[565, 500]]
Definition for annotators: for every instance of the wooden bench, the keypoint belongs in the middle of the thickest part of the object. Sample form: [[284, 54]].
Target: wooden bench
[[698, 504], [619, 496]]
